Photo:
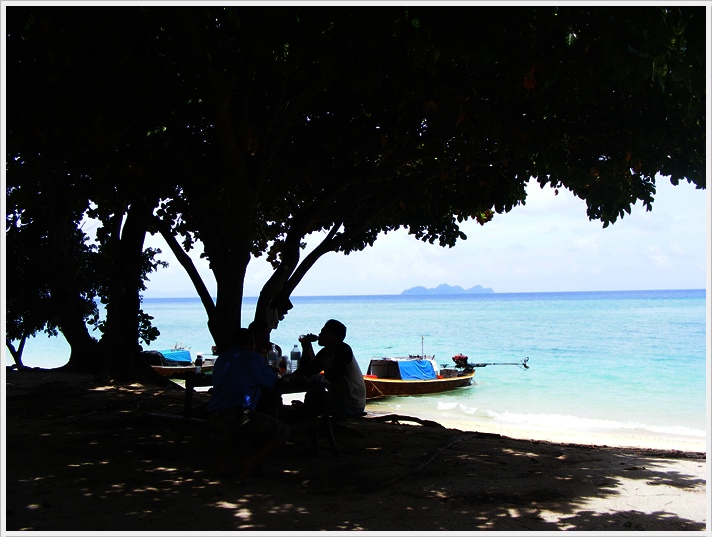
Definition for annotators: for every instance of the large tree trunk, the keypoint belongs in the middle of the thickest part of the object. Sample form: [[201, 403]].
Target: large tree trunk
[[84, 356], [120, 344], [16, 353], [64, 286], [227, 315]]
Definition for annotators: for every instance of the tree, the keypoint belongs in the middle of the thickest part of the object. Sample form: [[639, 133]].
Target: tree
[[28, 304], [270, 123], [73, 154], [358, 122], [52, 276]]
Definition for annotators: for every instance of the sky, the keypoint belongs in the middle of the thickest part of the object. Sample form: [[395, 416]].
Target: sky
[[548, 245]]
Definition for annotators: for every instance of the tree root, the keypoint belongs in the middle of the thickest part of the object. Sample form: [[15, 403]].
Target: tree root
[[396, 419]]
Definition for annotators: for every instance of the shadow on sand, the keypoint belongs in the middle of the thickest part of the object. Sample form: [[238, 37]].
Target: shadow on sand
[[83, 457]]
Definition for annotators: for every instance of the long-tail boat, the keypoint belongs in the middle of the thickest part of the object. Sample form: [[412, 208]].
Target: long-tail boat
[[420, 375], [176, 362], [412, 375]]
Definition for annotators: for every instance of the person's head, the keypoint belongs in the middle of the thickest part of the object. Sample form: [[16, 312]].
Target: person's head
[[260, 332], [332, 333], [242, 337]]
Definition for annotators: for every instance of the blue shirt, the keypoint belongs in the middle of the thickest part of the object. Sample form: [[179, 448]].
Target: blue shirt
[[238, 375]]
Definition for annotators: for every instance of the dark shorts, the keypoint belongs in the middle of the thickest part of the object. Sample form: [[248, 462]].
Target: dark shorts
[[343, 409], [336, 405], [237, 420]]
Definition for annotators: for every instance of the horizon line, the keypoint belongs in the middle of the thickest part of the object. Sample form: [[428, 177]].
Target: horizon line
[[459, 294]]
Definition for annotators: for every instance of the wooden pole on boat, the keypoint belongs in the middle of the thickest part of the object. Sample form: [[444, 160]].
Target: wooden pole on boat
[[422, 347]]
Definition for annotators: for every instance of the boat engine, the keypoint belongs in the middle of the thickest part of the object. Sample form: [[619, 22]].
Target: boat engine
[[461, 362]]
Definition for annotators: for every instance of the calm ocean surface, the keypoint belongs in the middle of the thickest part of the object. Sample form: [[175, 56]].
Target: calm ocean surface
[[619, 363]]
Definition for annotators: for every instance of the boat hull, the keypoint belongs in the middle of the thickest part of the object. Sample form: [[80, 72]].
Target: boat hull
[[380, 387], [178, 370]]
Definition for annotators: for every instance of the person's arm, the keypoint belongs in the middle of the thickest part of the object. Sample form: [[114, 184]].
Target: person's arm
[[308, 364], [307, 349]]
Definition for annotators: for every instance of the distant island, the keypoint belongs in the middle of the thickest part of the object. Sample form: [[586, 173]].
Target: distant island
[[446, 289]]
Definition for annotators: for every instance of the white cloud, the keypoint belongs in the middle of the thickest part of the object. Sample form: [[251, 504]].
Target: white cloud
[[659, 258]]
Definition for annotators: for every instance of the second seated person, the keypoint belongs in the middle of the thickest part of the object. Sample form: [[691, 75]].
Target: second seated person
[[346, 396]]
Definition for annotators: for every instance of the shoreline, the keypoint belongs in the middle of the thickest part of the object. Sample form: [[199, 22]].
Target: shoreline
[[599, 439], [639, 440]]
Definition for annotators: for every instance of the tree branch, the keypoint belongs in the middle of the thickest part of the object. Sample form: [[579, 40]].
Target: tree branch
[[187, 264], [301, 270]]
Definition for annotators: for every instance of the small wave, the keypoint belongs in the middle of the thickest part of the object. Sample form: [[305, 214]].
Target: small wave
[[588, 424], [564, 422], [449, 406]]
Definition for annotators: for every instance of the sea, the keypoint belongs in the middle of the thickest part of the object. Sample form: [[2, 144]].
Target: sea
[[619, 368]]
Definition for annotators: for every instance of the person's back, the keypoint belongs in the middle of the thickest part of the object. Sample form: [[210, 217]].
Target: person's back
[[345, 377], [238, 376]]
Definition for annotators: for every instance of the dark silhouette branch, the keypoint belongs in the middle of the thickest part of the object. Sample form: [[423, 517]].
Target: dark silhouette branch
[[187, 264]]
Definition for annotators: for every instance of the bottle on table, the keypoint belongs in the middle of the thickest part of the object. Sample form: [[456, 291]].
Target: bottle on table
[[295, 356], [272, 357], [199, 363]]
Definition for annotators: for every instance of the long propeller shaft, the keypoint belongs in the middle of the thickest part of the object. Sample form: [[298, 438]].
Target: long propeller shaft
[[521, 363]]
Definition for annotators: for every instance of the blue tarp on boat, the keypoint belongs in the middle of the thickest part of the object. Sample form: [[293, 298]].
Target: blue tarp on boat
[[176, 357], [388, 368], [416, 370]]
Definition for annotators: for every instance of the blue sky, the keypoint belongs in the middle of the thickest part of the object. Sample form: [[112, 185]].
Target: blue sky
[[547, 245]]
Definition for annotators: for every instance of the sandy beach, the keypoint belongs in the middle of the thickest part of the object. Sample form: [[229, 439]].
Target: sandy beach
[[83, 454], [599, 438]]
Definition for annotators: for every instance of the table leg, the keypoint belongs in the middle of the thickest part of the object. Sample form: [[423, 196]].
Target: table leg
[[330, 434]]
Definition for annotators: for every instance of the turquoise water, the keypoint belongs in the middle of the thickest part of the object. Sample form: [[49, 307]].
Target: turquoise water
[[623, 362]]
